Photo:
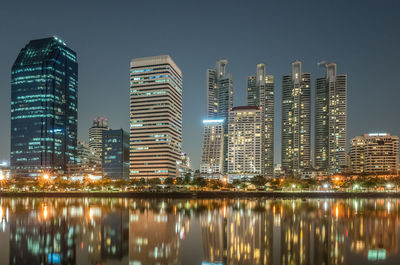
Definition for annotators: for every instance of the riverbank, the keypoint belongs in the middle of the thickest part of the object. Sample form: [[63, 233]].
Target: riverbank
[[207, 194]]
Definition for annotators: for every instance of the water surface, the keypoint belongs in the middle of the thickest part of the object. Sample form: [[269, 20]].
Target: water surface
[[179, 231]]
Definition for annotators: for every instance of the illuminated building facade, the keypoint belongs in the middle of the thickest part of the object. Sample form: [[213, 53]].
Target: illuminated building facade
[[260, 93], [296, 120], [375, 153], [155, 117], [115, 154], [245, 150], [87, 162], [220, 98], [100, 124], [212, 159], [330, 121], [44, 108]]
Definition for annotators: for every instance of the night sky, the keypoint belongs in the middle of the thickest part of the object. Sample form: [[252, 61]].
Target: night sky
[[362, 37]]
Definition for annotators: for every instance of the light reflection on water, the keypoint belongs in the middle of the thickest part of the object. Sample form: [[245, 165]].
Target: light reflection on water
[[180, 231]]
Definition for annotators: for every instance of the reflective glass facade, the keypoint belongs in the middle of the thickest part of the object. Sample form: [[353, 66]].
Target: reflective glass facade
[[115, 154], [44, 108]]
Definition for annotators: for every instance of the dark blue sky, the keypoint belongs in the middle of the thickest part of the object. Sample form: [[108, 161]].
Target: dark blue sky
[[362, 37]]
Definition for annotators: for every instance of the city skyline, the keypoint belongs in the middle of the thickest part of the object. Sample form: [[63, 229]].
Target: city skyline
[[364, 94]]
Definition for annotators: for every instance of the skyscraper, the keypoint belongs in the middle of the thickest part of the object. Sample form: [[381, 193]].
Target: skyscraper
[[260, 93], [245, 149], [155, 117], [296, 120], [115, 156], [44, 108], [100, 124], [220, 98], [330, 120]]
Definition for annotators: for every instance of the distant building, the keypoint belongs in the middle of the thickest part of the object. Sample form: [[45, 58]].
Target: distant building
[[220, 98], [376, 153], [296, 120], [212, 159], [155, 117], [331, 121], [245, 150], [44, 108], [261, 94], [87, 162], [185, 165], [100, 124], [115, 157]]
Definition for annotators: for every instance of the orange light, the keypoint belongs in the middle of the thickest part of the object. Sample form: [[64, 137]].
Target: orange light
[[45, 176]]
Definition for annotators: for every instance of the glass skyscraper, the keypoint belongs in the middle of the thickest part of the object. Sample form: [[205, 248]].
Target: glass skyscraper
[[220, 99], [115, 157], [331, 121], [44, 108], [296, 120], [260, 93]]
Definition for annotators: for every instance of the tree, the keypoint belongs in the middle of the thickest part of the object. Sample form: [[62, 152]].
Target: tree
[[199, 182], [258, 181], [169, 181]]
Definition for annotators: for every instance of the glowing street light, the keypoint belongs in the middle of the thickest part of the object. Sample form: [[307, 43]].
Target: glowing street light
[[389, 186], [46, 176], [325, 186]]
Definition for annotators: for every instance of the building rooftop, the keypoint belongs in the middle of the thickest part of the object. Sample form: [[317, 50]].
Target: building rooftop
[[245, 108]]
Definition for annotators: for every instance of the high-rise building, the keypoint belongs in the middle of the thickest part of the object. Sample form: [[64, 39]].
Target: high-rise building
[[330, 121], [44, 108], [261, 94], [115, 155], [212, 160], [155, 117], [296, 120], [100, 124], [220, 98], [245, 150], [375, 153]]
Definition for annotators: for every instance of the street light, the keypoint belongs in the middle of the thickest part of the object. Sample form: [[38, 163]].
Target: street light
[[45, 176]]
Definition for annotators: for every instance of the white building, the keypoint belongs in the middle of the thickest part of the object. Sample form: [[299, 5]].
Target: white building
[[244, 142], [212, 159], [375, 153], [100, 124]]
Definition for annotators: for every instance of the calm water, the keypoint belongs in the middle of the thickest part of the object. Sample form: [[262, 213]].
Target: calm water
[[142, 231]]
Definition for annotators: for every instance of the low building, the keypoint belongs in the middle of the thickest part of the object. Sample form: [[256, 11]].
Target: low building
[[244, 142], [375, 153], [87, 162], [115, 154], [185, 166]]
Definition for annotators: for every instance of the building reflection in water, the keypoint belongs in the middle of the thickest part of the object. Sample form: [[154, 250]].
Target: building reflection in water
[[154, 232]]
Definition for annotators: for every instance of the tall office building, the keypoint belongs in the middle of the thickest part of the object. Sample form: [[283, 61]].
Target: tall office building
[[115, 155], [155, 117], [376, 153], [260, 93], [245, 149], [296, 120], [220, 98], [44, 108], [212, 160], [330, 121], [100, 124]]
